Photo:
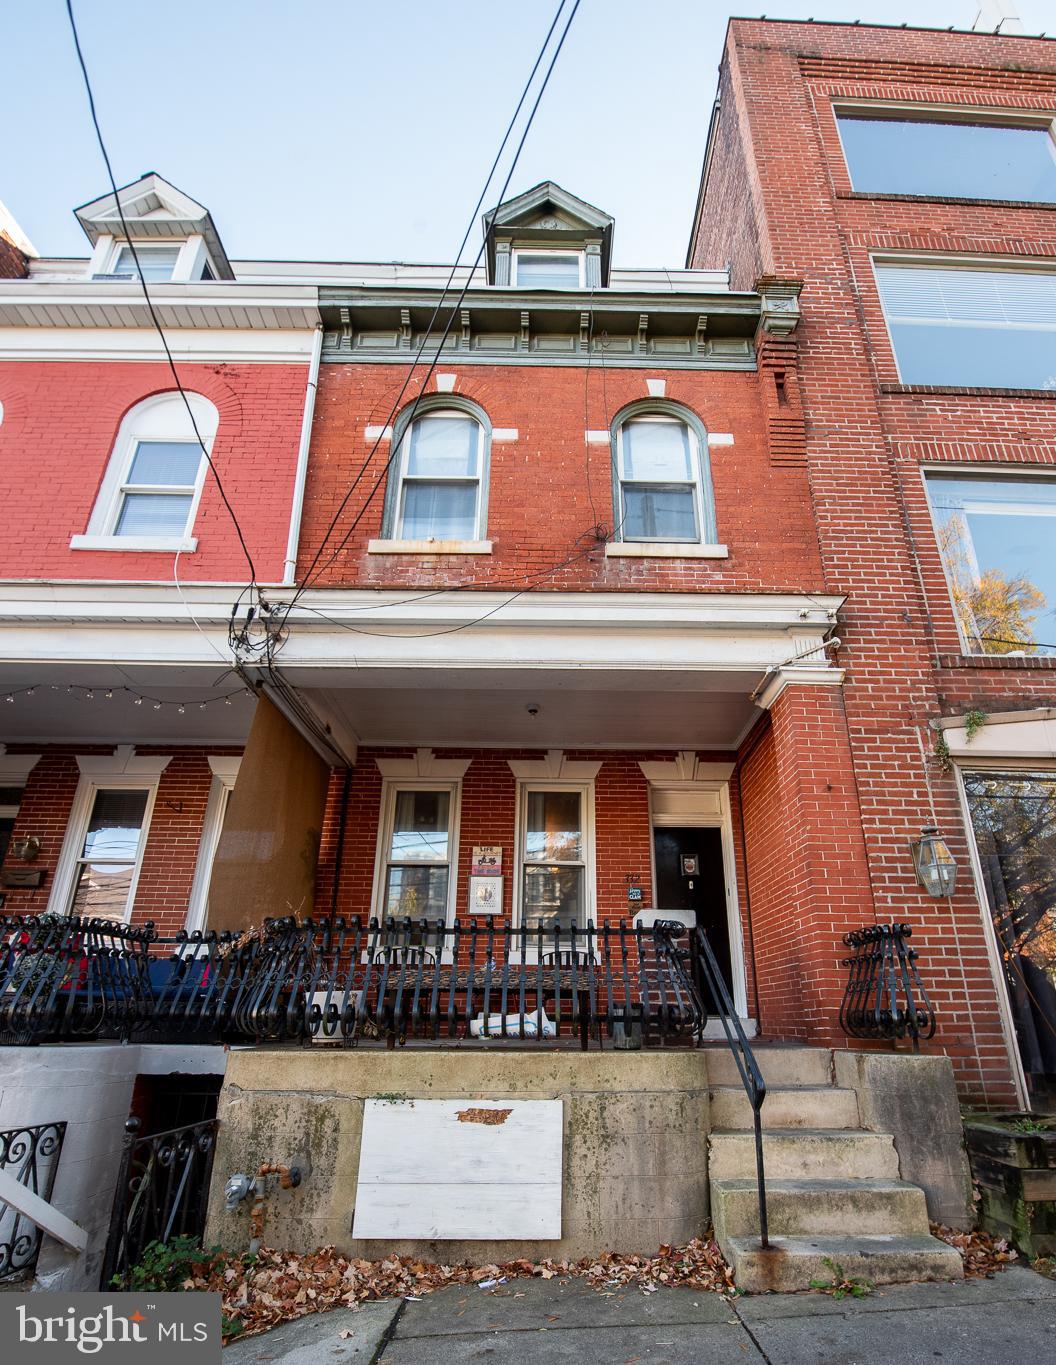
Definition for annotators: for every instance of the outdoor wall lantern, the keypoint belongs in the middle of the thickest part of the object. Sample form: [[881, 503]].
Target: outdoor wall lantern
[[26, 849], [933, 862]]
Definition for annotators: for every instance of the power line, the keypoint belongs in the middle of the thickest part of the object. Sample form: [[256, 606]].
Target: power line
[[148, 300], [454, 308]]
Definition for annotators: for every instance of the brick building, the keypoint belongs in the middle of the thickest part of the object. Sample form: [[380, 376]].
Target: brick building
[[907, 178]]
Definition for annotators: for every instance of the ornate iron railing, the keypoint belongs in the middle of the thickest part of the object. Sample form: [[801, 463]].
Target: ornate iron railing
[[885, 997], [162, 1192], [345, 982], [30, 1156]]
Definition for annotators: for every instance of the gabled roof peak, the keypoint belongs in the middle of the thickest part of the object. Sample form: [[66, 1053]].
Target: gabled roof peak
[[154, 208], [547, 216]]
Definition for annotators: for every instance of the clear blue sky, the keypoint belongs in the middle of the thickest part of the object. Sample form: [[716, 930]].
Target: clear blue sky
[[362, 129]]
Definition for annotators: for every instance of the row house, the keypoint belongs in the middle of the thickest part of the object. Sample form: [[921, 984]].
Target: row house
[[908, 178]]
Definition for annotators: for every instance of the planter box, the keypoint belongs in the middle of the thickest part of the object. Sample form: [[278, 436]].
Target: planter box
[[1016, 1175]]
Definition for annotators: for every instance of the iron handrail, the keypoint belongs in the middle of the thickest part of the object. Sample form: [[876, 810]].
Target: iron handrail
[[703, 960]]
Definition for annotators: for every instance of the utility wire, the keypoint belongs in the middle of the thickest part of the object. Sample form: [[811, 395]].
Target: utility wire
[[148, 300], [379, 481]]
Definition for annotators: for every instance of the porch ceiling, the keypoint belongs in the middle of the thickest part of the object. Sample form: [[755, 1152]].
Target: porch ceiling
[[614, 710]]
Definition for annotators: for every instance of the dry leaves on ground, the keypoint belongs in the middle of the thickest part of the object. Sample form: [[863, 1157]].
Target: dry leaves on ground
[[278, 1286], [983, 1255]]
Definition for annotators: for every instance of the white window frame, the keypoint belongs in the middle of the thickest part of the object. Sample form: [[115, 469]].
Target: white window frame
[[105, 774], [390, 787], [696, 466], [191, 261], [403, 478], [1042, 265], [585, 790], [980, 472], [908, 112], [162, 417], [519, 251], [225, 774]]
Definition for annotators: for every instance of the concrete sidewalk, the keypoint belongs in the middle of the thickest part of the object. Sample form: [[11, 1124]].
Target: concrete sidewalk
[[1005, 1321]]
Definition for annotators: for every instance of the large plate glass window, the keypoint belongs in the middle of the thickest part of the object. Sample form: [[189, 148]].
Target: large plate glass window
[[957, 326], [1013, 818], [110, 853], [949, 158], [554, 862], [418, 854], [440, 486], [997, 537], [659, 480]]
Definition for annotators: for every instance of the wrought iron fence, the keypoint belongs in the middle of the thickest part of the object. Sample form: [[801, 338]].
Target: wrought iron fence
[[346, 982], [885, 997], [30, 1156], [162, 1192]]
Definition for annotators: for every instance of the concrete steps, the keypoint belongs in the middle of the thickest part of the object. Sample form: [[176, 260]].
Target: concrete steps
[[803, 1106], [825, 1175], [792, 1262]]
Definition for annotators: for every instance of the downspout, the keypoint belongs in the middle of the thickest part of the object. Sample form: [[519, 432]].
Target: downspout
[[289, 573]]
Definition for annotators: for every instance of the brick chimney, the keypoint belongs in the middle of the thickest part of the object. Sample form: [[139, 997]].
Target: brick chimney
[[15, 248]]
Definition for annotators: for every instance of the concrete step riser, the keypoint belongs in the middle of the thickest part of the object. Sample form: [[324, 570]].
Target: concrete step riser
[[803, 1156], [779, 1065], [869, 1211], [884, 1261], [803, 1108]]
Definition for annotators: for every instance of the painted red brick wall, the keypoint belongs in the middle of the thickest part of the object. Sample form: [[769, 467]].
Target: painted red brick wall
[[60, 423], [549, 489], [868, 437]]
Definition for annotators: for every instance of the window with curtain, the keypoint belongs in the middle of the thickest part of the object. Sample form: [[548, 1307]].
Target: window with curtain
[[159, 488], [440, 478], [554, 865], [109, 856], [418, 854], [997, 537], [547, 269], [949, 158], [1013, 818], [964, 327], [659, 465]]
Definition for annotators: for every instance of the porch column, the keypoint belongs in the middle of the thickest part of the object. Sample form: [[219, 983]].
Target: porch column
[[266, 859], [808, 875]]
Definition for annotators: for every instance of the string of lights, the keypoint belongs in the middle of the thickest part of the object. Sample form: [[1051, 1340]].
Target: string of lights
[[85, 693]]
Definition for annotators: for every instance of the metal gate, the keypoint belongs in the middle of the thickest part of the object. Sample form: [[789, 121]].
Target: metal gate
[[30, 1156], [162, 1192]]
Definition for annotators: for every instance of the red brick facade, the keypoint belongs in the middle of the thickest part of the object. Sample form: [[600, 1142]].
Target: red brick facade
[[60, 423], [868, 436]]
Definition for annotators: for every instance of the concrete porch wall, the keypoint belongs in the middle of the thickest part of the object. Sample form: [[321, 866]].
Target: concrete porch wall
[[635, 1143]]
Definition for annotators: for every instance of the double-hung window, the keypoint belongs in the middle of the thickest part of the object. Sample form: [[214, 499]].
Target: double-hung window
[[440, 493], [997, 536], [418, 847], [110, 852], [949, 157], [659, 469], [963, 326], [150, 492], [555, 856]]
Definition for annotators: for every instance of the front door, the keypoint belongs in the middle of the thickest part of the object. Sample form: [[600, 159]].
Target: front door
[[690, 877]]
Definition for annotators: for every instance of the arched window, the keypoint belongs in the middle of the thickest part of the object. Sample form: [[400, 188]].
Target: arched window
[[150, 492], [662, 478], [438, 489]]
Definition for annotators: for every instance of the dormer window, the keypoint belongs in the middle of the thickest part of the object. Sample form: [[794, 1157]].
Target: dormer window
[[548, 269], [156, 262]]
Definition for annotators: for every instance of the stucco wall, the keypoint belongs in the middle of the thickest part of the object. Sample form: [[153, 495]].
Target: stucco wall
[[635, 1142]]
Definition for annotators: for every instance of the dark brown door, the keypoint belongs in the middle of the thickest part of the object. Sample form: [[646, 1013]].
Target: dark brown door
[[690, 877]]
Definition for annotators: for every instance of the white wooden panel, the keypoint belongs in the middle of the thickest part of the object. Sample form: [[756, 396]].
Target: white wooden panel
[[426, 1172]]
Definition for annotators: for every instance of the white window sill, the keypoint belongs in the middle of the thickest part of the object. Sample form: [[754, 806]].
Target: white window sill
[[660, 549], [429, 547], [161, 544]]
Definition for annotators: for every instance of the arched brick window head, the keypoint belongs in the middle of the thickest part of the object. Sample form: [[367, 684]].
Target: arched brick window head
[[153, 482]]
